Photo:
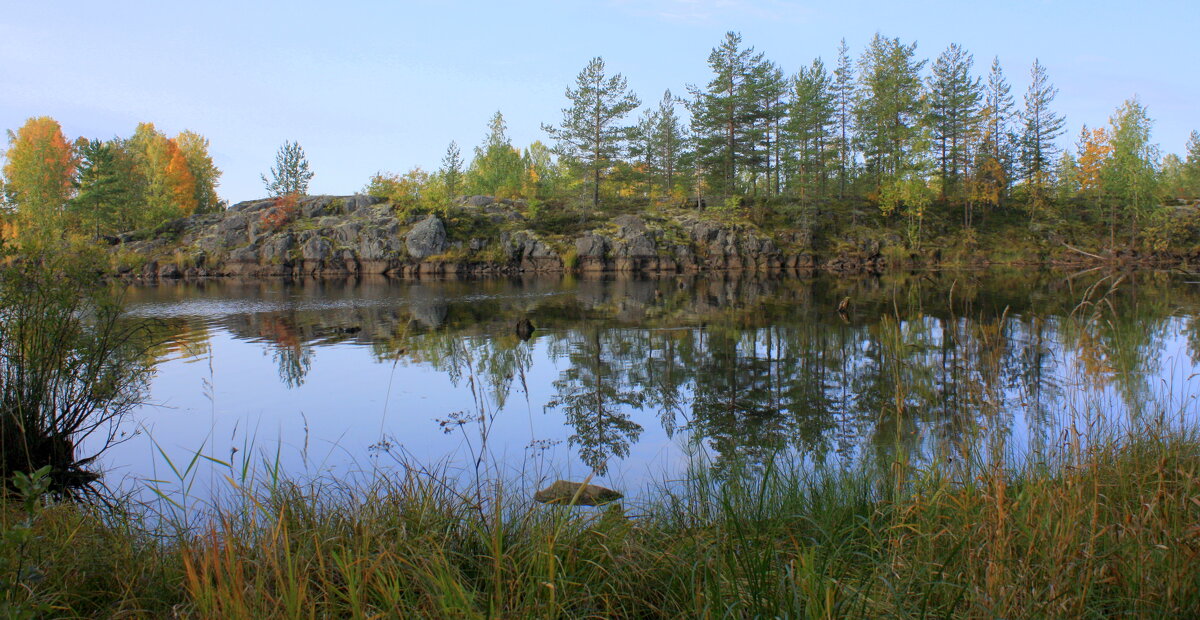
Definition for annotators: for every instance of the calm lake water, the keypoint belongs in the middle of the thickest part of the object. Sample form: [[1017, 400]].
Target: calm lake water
[[631, 379]]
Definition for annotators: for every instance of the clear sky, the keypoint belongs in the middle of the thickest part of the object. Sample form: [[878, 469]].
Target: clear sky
[[370, 86]]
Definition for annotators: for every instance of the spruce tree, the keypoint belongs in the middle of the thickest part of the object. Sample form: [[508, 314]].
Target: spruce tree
[[452, 169], [1000, 110], [1042, 128], [496, 169], [591, 132]]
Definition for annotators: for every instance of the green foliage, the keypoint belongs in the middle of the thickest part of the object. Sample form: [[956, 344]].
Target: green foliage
[[290, 174], [887, 107], [496, 169], [415, 191], [69, 368], [590, 134]]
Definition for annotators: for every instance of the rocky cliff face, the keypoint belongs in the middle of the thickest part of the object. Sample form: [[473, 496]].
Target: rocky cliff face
[[361, 235]]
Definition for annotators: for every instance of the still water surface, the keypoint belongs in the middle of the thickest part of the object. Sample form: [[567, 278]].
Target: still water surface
[[631, 379]]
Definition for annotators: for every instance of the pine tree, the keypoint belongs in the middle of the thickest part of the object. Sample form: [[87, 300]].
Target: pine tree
[[590, 132], [722, 115], [667, 141], [767, 89], [843, 95], [102, 185], [811, 128], [452, 169], [290, 174], [953, 113], [1042, 128], [888, 106]]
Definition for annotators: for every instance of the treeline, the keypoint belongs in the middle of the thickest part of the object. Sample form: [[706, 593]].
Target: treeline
[[96, 187], [887, 129], [886, 138]]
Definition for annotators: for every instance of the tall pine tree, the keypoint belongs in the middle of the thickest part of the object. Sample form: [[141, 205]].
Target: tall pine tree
[[953, 114], [591, 133], [888, 107], [843, 95], [723, 119]]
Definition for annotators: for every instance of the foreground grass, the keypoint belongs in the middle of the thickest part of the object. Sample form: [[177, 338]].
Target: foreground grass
[[1112, 530]]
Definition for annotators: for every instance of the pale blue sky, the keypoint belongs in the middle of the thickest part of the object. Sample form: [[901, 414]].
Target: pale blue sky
[[368, 86]]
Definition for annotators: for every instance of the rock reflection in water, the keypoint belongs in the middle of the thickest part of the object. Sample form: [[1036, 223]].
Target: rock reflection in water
[[744, 367]]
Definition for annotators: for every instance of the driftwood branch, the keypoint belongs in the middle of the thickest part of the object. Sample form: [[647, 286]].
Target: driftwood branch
[[1075, 249]]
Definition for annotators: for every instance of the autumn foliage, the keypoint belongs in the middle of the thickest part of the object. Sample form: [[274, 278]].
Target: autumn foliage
[[39, 170], [280, 213]]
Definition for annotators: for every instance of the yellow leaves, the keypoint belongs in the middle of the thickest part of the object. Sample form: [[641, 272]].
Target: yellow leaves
[[1094, 152], [39, 168]]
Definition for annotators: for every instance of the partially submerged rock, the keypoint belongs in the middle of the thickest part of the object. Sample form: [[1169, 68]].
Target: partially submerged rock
[[524, 329], [563, 492]]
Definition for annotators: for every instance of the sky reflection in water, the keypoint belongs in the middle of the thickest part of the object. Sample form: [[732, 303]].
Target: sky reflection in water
[[630, 378]]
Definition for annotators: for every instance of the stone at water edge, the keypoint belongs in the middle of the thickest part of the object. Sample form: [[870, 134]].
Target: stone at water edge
[[563, 491]]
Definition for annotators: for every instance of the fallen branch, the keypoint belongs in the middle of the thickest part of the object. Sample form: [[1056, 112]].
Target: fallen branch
[[1095, 256]]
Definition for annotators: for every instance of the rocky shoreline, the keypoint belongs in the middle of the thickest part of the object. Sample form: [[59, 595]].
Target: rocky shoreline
[[319, 236]]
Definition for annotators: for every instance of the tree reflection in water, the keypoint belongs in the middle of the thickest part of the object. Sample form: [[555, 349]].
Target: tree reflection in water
[[746, 367]]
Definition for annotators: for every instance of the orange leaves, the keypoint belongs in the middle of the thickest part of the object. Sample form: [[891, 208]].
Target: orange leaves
[[39, 168], [179, 180], [281, 213], [1094, 152]]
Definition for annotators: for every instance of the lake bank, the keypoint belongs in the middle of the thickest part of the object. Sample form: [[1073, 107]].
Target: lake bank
[[479, 236]]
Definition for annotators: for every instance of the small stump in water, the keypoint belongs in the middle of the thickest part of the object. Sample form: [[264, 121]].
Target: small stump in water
[[563, 491]]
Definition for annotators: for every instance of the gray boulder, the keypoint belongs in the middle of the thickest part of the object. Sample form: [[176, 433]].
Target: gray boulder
[[591, 246], [426, 238]]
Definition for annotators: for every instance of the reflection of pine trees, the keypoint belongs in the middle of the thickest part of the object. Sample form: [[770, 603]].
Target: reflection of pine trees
[[593, 394], [752, 366], [734, 405]]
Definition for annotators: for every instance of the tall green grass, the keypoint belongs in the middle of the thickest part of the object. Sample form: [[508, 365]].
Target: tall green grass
[[1111, 528]]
